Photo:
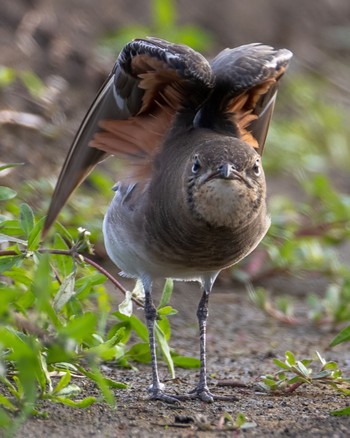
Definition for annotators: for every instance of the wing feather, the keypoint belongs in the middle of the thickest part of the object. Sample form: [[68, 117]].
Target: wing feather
[[246, 86], [151, 80]]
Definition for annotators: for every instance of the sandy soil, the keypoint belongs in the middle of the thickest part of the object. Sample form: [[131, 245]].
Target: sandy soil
[[242, 342]]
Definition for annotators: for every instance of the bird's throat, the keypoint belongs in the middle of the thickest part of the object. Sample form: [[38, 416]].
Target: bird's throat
[[226, 203]]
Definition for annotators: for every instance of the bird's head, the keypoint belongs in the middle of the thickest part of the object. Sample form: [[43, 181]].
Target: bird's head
[[226, 183]]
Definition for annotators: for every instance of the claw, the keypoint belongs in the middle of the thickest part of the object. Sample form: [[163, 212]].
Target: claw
[[206, 396], [159, 394]]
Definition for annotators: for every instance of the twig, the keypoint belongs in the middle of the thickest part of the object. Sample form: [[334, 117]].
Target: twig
[[110, 277], [79, 257]]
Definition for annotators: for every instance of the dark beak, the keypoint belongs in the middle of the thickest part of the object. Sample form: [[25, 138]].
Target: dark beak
[[225, 171]]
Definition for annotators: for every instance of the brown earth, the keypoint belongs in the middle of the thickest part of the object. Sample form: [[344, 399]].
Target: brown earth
[[57, 39], [241, 344]]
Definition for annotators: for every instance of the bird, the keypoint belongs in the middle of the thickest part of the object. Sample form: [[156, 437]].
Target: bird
[[190, 198]]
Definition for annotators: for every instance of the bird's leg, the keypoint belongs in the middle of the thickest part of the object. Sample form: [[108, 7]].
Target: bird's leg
[[202, 390], [156, 389]]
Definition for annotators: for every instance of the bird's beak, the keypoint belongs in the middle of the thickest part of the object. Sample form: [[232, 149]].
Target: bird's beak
[[225, 171]]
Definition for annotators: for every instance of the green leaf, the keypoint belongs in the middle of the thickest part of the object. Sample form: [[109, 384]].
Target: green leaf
[[64, 232], [5, 419], [26, 218], [322, 374], [69, 390], [80, 328], [330, 365], [8, 165], [281, 376], [167, 292], [65, 263], [109, 382], [186, 362], [65, 292], [4, 238], [114, 384], [164, 346], [11, 227], [35, 235], [295, 380], [123, 329], [6, 263], [166, 311], [6, 193], [4, 401], [59, 353], [138, 326], [24, 351], [341, 412], [240, 420], [290, 359], [342, 336], [269, 382], [84, 403], [108, 350], [140, 353], [42, 288], [303, 369], [164, 326], [103, 384], [63, 382], [281, 364]]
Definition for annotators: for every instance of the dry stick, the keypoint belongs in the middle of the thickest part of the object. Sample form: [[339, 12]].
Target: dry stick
[[110, 277], [79, 257]]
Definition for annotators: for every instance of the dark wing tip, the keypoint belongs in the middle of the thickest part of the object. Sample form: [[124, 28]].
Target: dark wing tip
[[166, 65], [150, 76], [189, 63], [242, 101], [246, 66]]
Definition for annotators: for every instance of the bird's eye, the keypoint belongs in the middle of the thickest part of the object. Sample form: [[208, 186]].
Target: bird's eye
[[257, 168], [196, 165]]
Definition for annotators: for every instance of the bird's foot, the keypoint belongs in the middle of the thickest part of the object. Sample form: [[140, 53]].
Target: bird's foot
[[157, 393], [203, 393]]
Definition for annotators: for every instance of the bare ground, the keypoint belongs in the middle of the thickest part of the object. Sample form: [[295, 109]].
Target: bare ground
[[241, 344]]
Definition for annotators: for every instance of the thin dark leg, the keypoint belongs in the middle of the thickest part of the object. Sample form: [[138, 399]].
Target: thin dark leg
[[156, 389], [202, 389], [202, 315]]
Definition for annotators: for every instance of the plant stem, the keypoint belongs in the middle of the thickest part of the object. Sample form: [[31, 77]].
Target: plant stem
[[79, 257]]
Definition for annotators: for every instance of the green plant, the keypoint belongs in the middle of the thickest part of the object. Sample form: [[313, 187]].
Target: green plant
[[227, 422], [293, 373], [57, 322]]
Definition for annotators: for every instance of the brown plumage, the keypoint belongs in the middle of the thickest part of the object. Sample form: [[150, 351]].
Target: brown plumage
[[191, 200]]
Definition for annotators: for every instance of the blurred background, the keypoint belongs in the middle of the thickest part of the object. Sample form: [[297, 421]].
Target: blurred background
[[55, 54]]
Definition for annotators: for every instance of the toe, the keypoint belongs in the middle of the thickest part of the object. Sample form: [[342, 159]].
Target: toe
[[205, 396], [160, 395]]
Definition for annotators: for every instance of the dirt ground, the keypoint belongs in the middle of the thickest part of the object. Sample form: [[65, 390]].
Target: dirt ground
[[241, 344], [57, 39]]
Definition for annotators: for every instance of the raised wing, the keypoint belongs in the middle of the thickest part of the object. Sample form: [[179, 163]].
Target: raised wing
[[246, 86], [151, 80]]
